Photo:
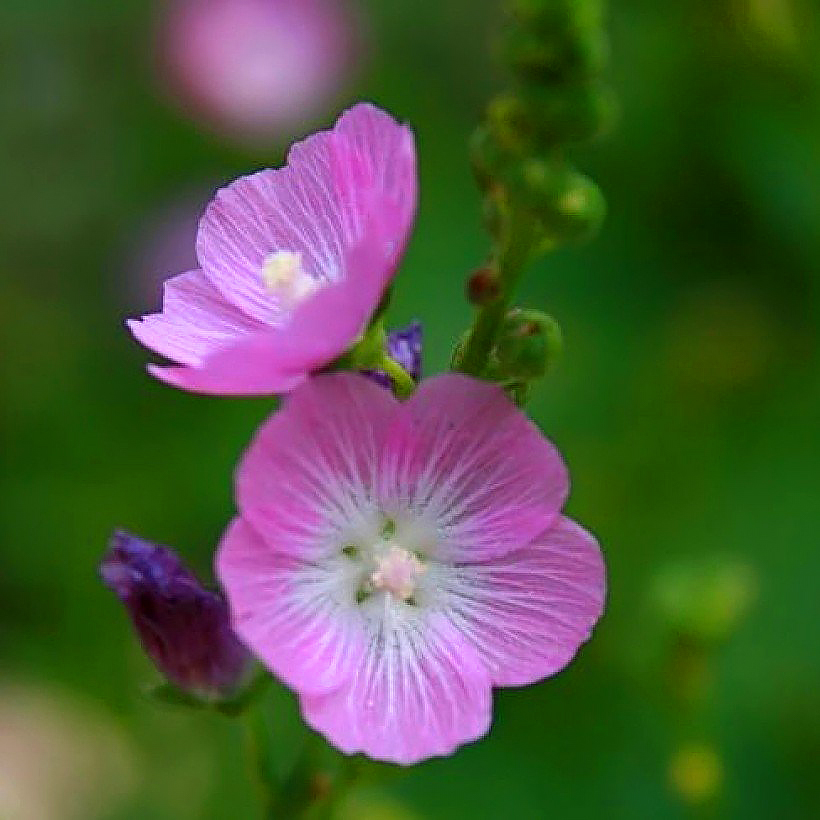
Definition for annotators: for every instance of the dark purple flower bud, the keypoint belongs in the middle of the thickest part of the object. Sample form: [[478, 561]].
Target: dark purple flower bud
[[405, 347], [183, 627]]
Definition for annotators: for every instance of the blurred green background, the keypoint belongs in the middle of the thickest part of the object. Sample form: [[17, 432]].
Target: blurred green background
[[687, 405]]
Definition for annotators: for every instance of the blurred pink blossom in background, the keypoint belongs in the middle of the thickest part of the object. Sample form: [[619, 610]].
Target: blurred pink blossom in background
[[257, 69]]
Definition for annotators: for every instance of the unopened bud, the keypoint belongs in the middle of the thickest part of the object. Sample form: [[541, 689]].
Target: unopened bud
[[511, 124], [568, 56], [570, 112], [569, 205], [183, 627], [483, 286], [488, 157], [542, 116], [529, 342], [558, 18]]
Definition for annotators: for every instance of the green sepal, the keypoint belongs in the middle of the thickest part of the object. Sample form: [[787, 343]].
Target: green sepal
[[569, 205], [231, 705], [170, 695], [529, 342]]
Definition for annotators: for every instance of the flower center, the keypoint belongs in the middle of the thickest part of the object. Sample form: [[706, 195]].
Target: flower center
[[397, 570], [286, 279]]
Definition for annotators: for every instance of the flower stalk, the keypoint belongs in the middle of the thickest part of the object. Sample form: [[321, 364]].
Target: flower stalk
[[535, 200], [311, 789], [510, 267], [403, 384]]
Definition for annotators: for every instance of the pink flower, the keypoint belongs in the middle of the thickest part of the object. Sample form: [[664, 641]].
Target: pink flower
[[393, 562], [292, 262], [258, 69]]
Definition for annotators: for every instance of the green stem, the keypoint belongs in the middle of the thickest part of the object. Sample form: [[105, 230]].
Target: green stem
[[370, 354], [403, 384], [346, 779], [258, 734], [511, 262]]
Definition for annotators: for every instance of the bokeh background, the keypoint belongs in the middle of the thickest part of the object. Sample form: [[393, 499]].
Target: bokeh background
[[687, 404]]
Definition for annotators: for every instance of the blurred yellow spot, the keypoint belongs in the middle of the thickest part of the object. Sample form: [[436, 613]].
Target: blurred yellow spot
[[373, 806], [774, 22], [722, 338], [696, 773]]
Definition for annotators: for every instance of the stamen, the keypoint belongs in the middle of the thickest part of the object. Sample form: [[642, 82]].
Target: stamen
[[286, 279], [397, 571]]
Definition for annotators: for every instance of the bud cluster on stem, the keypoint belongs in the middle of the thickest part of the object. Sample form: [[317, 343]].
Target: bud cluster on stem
[[534, 199]]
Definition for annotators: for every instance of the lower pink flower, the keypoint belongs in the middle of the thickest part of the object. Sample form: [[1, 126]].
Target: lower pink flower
[[392, 562]]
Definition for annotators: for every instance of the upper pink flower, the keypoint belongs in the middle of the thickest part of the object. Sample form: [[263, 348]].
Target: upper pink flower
[[257, 69], [393, 562], [292, 262]]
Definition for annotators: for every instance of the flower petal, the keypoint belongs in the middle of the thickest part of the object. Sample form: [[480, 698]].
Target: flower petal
[[312, 206], [290, 612], [528, 612], [195, 321], [476, 465], [389, 153], [245, 368], [309, 473], [420, 691]]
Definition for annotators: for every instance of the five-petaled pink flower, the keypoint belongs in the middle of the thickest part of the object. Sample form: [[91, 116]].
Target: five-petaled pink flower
[[293, 262], [392, 562]]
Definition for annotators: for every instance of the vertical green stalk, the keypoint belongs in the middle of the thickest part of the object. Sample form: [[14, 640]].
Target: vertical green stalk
[[515, 253], [311, 790], [261, 759]]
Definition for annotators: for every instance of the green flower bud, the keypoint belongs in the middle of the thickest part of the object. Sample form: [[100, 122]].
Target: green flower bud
[[485, 157], [569, 205], [511, 127], [528, 343], [490, 164], [518, 392], [572, 112], [541, 117], [536, 58], [559, 18]]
